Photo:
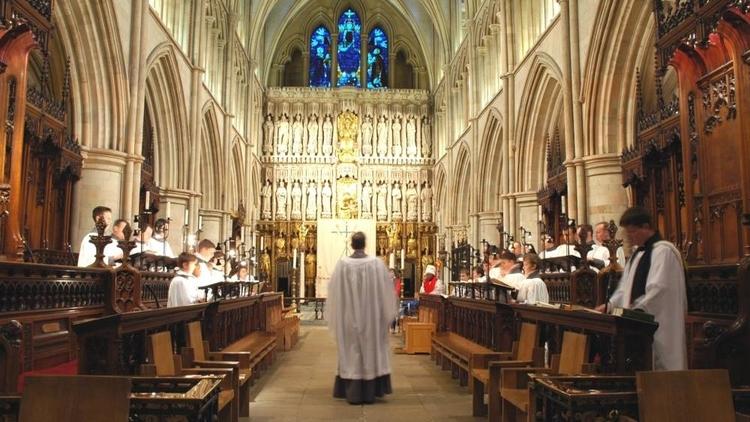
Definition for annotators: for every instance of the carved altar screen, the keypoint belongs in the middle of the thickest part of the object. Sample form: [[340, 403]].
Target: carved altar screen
[[333, 244]]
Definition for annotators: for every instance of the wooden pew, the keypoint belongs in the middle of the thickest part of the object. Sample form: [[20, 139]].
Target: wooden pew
[[164, 363], [485, 376], [517, 400], [418, 331], [76, 398], [197, 354]]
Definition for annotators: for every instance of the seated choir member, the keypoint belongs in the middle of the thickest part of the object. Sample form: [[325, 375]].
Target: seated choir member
[[477, 275], [511, 272], [550, 250], [87, 251], [598, 256], [431, 285], [205, 254], [243, 273], [518, 251], [118, 228], [143, 241], [494, 270], [532, 289], [568, 248], [158, 242], [463, 275], [183, 290]]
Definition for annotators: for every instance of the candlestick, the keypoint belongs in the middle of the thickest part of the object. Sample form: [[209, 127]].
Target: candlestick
[[294, 258]]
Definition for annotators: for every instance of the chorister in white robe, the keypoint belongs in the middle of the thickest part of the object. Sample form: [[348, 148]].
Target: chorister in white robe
[[514, 280], [665, 298], [87, 251], [532, 290], [183, 290], [160, 247], [360, 306], [601, 253]]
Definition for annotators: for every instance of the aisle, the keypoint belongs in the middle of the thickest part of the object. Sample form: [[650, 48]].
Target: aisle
[[299, 387]]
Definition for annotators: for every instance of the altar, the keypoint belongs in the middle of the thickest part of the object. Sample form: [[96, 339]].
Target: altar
[[333, 238]]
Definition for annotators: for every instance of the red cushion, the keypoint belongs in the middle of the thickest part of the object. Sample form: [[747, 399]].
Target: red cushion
[[67, 368]]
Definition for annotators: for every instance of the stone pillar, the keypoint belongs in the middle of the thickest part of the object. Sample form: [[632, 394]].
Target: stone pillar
[[568, 113], [488, 227], [306, 68], [363, 60], [198, 41], [102, 182], [604, 178], [334, 58], [575, 61], [179, 201]]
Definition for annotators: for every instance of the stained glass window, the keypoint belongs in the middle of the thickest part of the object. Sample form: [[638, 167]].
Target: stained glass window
[[377, 59], [350, 46], [320, 57]]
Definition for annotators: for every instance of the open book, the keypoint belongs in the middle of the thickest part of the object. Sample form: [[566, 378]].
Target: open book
[[502, 284], [633, 314]]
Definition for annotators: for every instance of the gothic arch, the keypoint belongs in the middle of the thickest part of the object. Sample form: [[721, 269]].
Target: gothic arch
[[211, 172], [236, 181], [442, 216], [491, 165], [461, 187], [164, 99], [539, 115], [377, 19], [88, 30], [622, 31]]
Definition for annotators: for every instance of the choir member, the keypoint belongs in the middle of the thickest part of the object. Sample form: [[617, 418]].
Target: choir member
[[143, 242], [87, 251], [550, 250], [510, 271], [431, 285], [532, 290], [478, 274], [243, 273], [158, 242], [654, 281], [463, 275], [598, 256], [205, 254], [183, 290]]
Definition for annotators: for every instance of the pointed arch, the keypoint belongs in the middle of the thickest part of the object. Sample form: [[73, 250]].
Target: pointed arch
[[462, 185], [442, 216], [541, 113], [349, 49], [211, 171], [491, 165], [166, 103]]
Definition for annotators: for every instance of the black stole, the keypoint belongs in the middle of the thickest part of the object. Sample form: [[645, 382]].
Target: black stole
[[638, 288]]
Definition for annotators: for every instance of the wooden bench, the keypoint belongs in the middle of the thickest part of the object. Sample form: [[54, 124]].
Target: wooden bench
[[486, 378], [166, 364], [262, 348], [197, 354], [451, 351], [287, 330]]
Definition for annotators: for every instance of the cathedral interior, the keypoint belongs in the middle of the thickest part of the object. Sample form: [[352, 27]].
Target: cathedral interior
[[441, 129]]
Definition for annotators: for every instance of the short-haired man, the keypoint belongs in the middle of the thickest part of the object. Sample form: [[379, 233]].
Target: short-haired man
[[158, 242], [205, 254], [361, 304], [183, 290], [598, 256], [654, 281], [87, 251]]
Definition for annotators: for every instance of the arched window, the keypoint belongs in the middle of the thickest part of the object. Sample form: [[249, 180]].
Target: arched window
[[350, 46], [320, 57], [377, 59]]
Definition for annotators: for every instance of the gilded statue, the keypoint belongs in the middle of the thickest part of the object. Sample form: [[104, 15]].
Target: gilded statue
[[265, 263], [411, 246], [281, 245], [427, 258], [394, 237], [310, 267], [348, 127]]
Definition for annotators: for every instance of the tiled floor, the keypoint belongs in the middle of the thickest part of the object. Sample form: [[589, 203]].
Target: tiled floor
[[299, 387]]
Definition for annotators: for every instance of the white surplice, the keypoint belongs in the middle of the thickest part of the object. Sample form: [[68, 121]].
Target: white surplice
[[514, 280], [87, 251], [665, 298], [601, 253], [183, 290], [360, 306], [532, 290]]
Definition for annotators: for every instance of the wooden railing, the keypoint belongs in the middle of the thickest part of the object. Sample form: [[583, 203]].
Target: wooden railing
[[484, 322], [432, 309]]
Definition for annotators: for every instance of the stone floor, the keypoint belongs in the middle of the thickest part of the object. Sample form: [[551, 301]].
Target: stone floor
[[299, 387]]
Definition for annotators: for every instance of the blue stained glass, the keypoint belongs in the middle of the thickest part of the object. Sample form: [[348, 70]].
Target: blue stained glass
[[350, 46], [320, 57], [377, 59]]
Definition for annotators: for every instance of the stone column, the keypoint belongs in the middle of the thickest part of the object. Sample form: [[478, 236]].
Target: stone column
[[604, 178], [577, 109], [334, 58], [179, 201], [363, 60], [198, 41], [306, 68], [482, 84], [568, 113]]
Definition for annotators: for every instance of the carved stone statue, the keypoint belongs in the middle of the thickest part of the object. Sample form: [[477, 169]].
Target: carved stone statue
[[327, 194], [426, 195], [265, 263], [312, 200], [296, 200], [426, 138], [394, 236], [412, 213], [396, 129], [382, 137], [411, 136], [327, 136], [281, 197], [282, 135], [310, 267], [312, 135], [426, 258], [396, 196], [382, 201], [411, 246], [298, 131], [366, 199], [268, 136], [266, 192], [367, 137]]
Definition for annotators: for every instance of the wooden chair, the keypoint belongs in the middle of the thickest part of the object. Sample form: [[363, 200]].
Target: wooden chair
[[697, 396], [517, 400], [487, 375], [75, 398], [197, 354], [166, 364]]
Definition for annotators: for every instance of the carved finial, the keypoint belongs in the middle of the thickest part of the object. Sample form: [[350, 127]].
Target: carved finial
[[100, 241], [126, 244], [612, 243]]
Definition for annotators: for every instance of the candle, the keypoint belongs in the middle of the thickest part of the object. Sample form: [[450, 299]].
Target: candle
[[253, 244], [392, 260], [168, 211], [540, 212], [563, 204], [242, 234], [200, 222], [294, 258], [148, 200], [302, 274], [403, 257], [187, 215], [261, 244]]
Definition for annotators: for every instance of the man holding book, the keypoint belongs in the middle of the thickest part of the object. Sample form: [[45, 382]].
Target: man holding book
[[654, 281]]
